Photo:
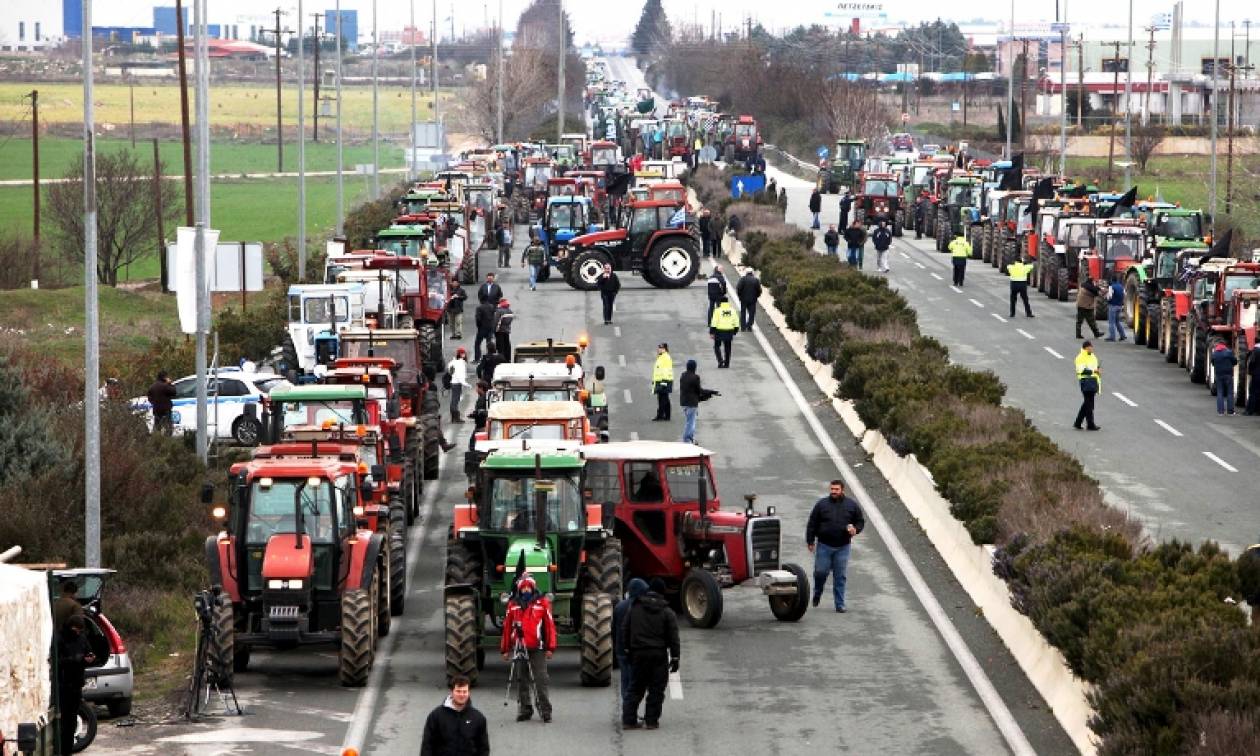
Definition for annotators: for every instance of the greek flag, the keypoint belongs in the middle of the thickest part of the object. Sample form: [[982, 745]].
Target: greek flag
[[678, 219]]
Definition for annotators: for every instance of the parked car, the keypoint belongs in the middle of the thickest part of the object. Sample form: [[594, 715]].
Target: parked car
[[109, 678], [230, 390]]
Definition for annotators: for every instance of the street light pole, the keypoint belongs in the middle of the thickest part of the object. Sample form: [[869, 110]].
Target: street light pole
[[202, 223], [498, 106], [1010, 87], [92, 335], [411, 159], [1128, 107], [341, 190], [1063, 58], [560, 78], [301, 126], [376, 112], [436, 110], [1216, 64]]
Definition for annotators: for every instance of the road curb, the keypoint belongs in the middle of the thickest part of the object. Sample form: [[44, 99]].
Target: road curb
[[1044, 665]]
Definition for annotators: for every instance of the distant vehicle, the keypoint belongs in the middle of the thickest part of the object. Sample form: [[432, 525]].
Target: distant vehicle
[[230, 391], [109, 680]]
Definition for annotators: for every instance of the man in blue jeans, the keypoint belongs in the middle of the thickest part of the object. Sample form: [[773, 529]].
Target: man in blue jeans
[[1115, 305], [833, 522]]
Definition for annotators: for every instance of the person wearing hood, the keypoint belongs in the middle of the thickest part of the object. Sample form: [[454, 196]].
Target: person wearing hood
[[634, 589], [455, 728], [690, 393], [716, 287], [503, 317], [650, 633], [1223, 363], [529, 622]]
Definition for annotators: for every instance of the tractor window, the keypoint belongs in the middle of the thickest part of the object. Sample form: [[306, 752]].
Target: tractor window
[[400, 350], [512, 504], [605, 156], [1166, 265], [644, 221], [960, 195], [318, 413], [344, 490], [1234, 283], [437, 288], [561, 216], [1078, 235], [537, 395], [919, 174], [684, 482], [272, 510], [1179, 227], [1120, 248], [880, 187], [320, 310], [643, 484], [401, 247], [745, 130], [601, 480]]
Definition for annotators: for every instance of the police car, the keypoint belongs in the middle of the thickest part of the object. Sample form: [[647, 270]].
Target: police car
[[230, 391]]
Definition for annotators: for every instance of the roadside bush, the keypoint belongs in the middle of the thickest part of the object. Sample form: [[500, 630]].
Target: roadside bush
[[253, 333]]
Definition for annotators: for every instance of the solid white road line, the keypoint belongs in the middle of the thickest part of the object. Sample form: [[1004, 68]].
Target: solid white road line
[[1025, 334], [621, 360], [366, 705], [675, 687], [1168, 427], [956, 289], [1124, 398], [999, 317], [626, 394], [1220, 461], [937, 277], [993, 702], [975, 302], [1053, 353]]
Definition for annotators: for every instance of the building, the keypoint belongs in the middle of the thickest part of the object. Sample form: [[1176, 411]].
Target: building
[[29, 27], [349, 27], [253, 28]]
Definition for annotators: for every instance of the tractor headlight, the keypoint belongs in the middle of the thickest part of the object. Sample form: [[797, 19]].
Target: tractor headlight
[[280, 585]]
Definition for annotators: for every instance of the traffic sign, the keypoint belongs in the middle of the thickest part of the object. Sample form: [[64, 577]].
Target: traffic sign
[[747, 183], [1060, 28], [823, 152]]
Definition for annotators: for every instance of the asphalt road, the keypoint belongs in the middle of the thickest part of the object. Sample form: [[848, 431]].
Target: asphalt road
[[1164, 455]]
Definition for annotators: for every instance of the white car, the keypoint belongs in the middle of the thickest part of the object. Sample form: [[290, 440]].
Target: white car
[[230, 391]]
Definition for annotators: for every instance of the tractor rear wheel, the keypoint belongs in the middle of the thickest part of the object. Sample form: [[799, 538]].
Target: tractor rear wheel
[[1169, 329], [792, 608], [411, 495], [942, 235], [468, 267], [1152, 326], [430, 346], [1063, 284], [397, 557], [461, 637], [586, 268], [431, 426], [221, 645], [1198, 357], [674, 262], [358, 636], [463, 566], [701, 598], [384, 615], [596, 637], [288, 353], [1138, 321], [603, 568]]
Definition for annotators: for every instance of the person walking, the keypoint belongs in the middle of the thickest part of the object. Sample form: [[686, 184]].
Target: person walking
[[1089, 376], [489, 291], [455, 310], [920, 214], [717, 231], [1115, 305], [1086, 301], [716, 289], [815, 208], [503, 317], [1253, 380], [748, 291], [831, 239], [608, 286], [455, 728], [833, 522], [480, 409], [689, 393], [457, 369], [846, 203], [722, 329], [959, 251], [662, 381], [483, 319], [505, 245], [1223, 363], [634, 589], [535, 255], [855, 239], [74, 654], [703, 222], [783, 202], [651, 638], [487, 364], [772, 191], [882, 238], [1019, 270], [161, 397], [529, 640]]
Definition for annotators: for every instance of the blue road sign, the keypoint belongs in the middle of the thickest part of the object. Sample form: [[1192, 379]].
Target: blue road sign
[[747, 183], [823, 152]]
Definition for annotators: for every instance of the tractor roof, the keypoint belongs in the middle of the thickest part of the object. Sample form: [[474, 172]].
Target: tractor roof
[[378, 334], [319, 393], [637, 204], [518, 459], [517, 372], [644, 451], [325, 290], [536, 411]]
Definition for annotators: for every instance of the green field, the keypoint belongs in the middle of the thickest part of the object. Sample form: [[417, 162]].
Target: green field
[[51, 320], [58, 154]]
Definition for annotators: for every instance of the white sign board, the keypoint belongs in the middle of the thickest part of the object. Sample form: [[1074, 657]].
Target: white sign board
[[183, 271], [334, 248], [430, 135], [227, 273]]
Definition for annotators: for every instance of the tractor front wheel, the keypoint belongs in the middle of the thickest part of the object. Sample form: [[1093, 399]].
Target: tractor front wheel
[[586, 269], [792, 608], [674, 263], [461, 637], [701, 598], [597, 634], [384, 614], [430, 346], [221, 646], [431, 427], [397, 556], [1152, 326], [358, 637]]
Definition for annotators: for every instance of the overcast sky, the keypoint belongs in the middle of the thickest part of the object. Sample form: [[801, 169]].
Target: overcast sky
[[600, 20]]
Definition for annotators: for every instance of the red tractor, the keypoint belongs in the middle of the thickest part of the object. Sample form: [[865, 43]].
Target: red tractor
[[878, 199], [296, 561], [743, 142], [656, 241], [662, 503], [1210, 298], [1238, 332], [1119, 244]]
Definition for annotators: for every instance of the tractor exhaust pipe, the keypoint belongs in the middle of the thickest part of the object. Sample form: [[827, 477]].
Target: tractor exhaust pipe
[[540, 504]]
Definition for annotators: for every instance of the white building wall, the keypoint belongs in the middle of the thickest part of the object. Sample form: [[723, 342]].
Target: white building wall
[[18, 22]]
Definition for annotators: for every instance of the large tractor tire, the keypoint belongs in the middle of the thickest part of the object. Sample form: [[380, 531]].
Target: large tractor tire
[[603, 568], [1152, 326], [597, 637], [463, 566], [1137, 321], [1209, 372], [358, 636], [792, 608], [221, 645], [1183, 346], [942, 235], [898, 224], [468, 267], [384, 616], [461, 637], [986, 250], [397, 556], [288, 353], [1198, 357], [728, 154], [85, 731], [431, 427], [674, 262], [1063, 285], [411, 493], [431, 346], [974, 239], [701, 598], [586, 268]]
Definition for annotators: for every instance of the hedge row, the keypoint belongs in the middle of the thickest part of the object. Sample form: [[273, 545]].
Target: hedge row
[[1154, 628]]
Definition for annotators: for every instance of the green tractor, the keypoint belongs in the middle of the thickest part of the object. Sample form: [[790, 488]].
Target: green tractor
[[847, 159], [959, 211], [526, 516]]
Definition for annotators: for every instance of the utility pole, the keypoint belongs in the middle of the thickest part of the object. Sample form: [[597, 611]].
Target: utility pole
[[1115, 95], [279, 107], [411, 159], [131, 93], [1229, 128], [35, 271], [1023, 98], [1216, 64], [1128, 104], [200, 247], [341, 191], [1081, 94], [376, 111], [315, 100], [1010, 88], [498, 105], [560, 78], [92, 333], [1150, 74], [437, 117], [1063, 58], [183, 115], [301, 128], [157, 204]]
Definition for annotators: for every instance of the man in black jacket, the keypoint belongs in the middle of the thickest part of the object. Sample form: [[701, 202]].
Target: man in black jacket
[[882, 238], [608, 287], [829, 533], [846, 202], [651, 637], [489, 291], [455, 310], [483, 318], [689, 397], [73, 657], [815, 207], [703, 226], [455, 728], [161, 397], [748, 290], [716, 287], [855, 238]]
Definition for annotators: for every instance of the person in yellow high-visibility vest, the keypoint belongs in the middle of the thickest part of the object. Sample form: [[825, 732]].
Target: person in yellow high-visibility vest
[[722, 329], [1089, 376], [959, 251], [662, 380], [1019, 270]]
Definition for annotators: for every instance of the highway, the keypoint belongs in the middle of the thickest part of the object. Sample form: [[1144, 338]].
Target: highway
[[1164, 455]]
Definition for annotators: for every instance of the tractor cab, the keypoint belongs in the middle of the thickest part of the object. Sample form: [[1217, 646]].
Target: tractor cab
[[878, 199], [318, 313], [551, 350], [536, 382], [564, 156], [1175, 224], [605, 155], [744, 140], [664, 503], [406, 240], [317, 406], [840, 170], [417, 201]]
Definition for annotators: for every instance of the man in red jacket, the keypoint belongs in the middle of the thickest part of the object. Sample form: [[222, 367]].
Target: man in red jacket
[[529, 637]]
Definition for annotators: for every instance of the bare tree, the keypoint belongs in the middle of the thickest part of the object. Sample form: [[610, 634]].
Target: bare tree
[[529, 83], [127, 218], [847, 109], [1143, 143]]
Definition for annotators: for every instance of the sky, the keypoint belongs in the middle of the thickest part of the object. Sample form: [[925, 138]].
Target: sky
[[611, 22]]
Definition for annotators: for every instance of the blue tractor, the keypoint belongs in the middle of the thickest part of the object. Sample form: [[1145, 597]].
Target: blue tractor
[[564, 218]]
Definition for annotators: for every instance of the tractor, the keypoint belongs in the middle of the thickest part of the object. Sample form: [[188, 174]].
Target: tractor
[[1119, 244], [656, 242], [1210, 295], [840, 171], [482, 204], [1063, 228], [998, 230], [529, 198], [744, 142], [318, 313], [677, 140], [295, 561], [565, 218], [958, 210], [525, 516], [1238, 332], [878, 199], [559, 424], [1152, 311], [664, 505], [542, 381]]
